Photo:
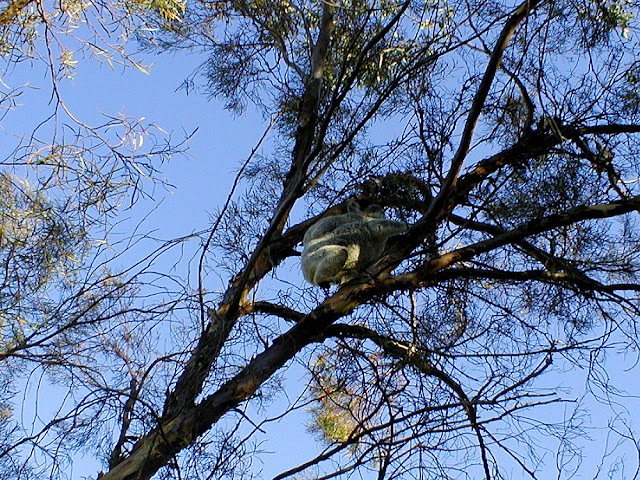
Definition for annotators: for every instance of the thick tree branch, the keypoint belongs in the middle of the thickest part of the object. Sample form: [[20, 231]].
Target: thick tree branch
[[9, 14], [222, 321], [531, 145], [175, 432], [305, 137], [534, 227]]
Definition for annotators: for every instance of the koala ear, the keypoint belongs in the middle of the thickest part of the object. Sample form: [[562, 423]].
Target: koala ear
[[374, 211], [353, 206]]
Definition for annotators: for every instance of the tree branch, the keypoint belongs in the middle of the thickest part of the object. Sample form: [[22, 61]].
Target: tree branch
[[406, 353], [478, 104], [534, 227], [176, 431], [281, 311], [583, 282], [222, 321], [12, 11], [549, 261]]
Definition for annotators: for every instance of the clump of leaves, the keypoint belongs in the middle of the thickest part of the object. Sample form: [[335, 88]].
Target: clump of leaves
[[333, 417]]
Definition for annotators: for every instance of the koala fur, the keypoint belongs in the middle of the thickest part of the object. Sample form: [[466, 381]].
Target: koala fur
[[338, 248]]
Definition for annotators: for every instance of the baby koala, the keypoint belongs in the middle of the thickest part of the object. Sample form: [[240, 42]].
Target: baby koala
[[339, 247]]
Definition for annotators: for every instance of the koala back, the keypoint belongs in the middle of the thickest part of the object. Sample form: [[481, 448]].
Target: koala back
[[370, 236], [339, 247]]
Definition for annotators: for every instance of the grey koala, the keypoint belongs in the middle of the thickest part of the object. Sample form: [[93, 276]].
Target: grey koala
[[339, 247]]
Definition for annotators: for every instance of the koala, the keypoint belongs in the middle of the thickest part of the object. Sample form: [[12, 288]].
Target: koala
[[339, 247]]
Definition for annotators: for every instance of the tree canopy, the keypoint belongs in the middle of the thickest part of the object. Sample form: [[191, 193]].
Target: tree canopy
[[505, 135]]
